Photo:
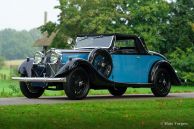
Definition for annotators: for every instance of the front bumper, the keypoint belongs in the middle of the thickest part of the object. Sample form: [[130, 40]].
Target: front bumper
[[39, 79]]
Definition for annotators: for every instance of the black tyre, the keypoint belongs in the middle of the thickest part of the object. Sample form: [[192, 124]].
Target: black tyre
[[77, 86], [162, 83], [102, 61], [29, 91], [119, 91]]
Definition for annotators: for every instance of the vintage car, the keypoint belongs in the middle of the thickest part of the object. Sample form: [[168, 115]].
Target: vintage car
[[104, 61]]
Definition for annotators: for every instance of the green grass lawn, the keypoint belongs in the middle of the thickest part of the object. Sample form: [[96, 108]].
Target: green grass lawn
[[5, 70], [9, 88], [107, 114]]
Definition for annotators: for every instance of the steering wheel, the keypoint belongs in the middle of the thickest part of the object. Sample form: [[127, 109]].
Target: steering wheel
[[101, 61]]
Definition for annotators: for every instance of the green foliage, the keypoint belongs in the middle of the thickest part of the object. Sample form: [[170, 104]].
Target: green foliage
[[183, 61], [98, 16], [60, 40], [179, 31], [17, 44], [127, 43], [89, 17], [148, 19], [48, 27]]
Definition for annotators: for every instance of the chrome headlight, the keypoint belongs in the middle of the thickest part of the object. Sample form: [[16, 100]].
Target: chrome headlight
[[38, 57], [55, 56]]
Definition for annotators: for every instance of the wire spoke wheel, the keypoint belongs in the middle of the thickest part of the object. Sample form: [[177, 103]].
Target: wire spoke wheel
[[77, 86], [162, 83], [30, 91], [101, 61]]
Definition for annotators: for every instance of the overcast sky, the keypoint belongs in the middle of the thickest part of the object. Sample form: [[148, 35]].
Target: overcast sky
[[26, 14]]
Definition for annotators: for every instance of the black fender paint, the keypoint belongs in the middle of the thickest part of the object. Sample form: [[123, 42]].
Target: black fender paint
[[26, 67], [95, 78], [166, 65]]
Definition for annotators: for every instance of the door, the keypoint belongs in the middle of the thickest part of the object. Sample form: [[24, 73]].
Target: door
[[129, 64], [126, 62], [125, 68]]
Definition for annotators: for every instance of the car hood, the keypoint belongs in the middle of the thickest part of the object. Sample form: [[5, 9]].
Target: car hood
[[71, 54], [74, 50]]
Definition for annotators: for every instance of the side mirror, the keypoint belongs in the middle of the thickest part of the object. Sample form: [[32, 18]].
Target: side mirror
[[115, 48]]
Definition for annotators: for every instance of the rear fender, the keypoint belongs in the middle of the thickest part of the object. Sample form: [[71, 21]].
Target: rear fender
[[166, 65]]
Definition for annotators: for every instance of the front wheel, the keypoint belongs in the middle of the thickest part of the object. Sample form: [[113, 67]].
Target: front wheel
[[117, 91], [77, 86], [29, 91], [162, 83]]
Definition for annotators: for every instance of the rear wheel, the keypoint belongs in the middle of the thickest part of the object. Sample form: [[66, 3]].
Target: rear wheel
[[77, 86], [162, 83], [119, 91], [29, 91]]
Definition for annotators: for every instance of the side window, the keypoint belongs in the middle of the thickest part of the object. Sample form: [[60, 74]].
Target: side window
[[126, 46]]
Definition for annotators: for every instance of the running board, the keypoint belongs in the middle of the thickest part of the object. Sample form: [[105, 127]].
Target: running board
[[39, 79]]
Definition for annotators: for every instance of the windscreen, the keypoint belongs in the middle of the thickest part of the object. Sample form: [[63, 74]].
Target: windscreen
[[93, 41]]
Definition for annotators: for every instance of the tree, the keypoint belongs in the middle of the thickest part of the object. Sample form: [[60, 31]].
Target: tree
[[17, 44], [179, 36], [183, 61], [148, 19], [179, 31], [144, 18], [89, 17]]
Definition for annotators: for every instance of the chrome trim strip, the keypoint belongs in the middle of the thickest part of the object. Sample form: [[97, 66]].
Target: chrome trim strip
[[39, 79]]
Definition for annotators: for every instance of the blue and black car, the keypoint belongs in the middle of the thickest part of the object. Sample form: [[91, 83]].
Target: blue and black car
[[104, 61]]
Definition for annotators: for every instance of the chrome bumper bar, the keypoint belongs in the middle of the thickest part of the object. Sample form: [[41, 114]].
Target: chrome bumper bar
[[39, 79]]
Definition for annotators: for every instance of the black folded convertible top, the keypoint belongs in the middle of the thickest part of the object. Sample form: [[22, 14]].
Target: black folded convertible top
[[117, 35]]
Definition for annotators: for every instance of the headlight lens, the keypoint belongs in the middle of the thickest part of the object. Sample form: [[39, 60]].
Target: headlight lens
[[54, 57], [38, 57]]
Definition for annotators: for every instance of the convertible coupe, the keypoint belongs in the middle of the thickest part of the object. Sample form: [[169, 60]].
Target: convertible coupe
[[104, 61]]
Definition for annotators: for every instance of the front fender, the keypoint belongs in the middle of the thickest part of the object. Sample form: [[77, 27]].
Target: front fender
[[26, 67], [70, 66], [166, 65], [95, 77]]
